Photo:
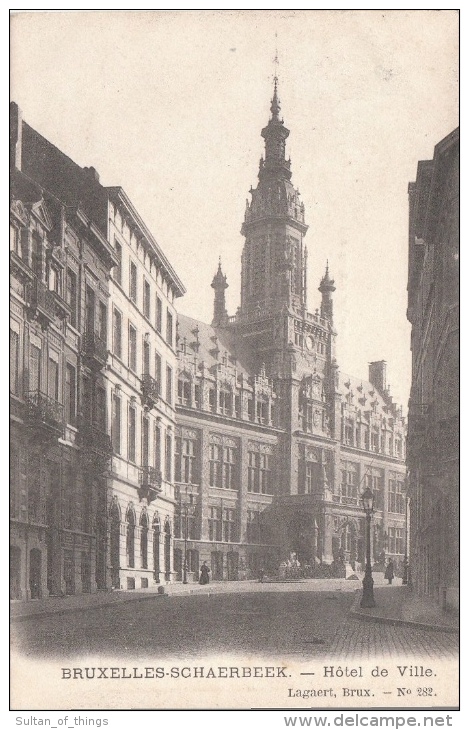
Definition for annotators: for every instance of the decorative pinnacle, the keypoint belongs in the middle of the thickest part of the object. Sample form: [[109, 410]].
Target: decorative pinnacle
[[327, 284], [275, 106], [219, 280]]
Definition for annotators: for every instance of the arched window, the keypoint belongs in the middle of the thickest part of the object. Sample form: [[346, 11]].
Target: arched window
[[130, 538], [144, 539], [115, 521]]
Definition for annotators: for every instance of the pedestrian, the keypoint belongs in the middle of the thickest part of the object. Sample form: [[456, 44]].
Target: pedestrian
[[389, 572], [204, 571]]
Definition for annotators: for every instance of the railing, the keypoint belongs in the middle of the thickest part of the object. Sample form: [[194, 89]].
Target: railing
[[150, 480], [150, 390], [42, 409], [41, 298], [94, 347], [348, 500], [150, 477]]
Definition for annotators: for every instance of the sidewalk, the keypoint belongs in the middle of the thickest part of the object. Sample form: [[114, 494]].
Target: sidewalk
[[395, 604], [398, 604], [23, 610]]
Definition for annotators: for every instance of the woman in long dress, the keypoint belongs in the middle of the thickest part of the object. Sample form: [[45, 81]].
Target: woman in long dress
[[204, 571]]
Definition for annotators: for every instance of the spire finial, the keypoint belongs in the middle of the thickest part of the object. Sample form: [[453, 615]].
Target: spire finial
[[275, 106]]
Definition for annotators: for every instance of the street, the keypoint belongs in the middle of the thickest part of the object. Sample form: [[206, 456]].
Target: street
[[274, 622]]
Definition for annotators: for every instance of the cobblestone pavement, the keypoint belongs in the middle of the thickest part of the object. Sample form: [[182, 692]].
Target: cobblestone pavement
[[265, 622]]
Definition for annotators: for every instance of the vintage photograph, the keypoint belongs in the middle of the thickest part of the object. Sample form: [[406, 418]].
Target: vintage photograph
[[234, 359]]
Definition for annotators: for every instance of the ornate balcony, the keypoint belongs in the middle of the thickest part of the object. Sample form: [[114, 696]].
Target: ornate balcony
[[96, 447], [94, 350], [41, 302], [45, 415], [149, 483], [150, 391]]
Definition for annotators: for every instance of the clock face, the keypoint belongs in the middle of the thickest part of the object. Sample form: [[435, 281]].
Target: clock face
[[310, 342]]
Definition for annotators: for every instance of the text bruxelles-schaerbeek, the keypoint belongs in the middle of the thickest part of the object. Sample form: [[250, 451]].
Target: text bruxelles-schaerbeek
[[241, 672]]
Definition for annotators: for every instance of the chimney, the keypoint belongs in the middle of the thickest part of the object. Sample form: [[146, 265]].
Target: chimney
[[377, 375], [92, 173]]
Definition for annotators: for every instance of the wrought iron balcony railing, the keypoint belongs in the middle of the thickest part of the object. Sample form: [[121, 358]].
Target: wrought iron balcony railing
[[95, 349], [150, 480], [150, 390], [44, 411], [41, 300]]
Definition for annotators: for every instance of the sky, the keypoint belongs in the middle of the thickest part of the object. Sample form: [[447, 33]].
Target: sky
[[170, 106]]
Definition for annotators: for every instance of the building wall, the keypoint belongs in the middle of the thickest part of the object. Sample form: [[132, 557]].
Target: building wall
[[433, 310], [141, 477]]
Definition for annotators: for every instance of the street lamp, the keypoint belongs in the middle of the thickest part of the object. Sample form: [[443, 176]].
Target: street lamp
[[186, 510], [368, 600]]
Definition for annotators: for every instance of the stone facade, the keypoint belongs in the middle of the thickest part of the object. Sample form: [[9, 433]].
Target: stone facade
[[433, 310], [266, 381], [92, 389]]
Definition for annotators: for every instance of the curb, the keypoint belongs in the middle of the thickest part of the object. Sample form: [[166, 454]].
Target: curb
[[356, 613], [90, 607]]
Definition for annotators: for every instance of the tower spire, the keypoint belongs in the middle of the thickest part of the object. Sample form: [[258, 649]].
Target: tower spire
[[327, 288], [219, 283]]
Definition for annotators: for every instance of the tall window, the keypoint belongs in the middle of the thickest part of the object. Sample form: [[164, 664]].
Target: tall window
[[184, 392], [169, 328], [396, 498], [102, 321], [146, 299], [262, 410], [349, 481], [117, 332], [169, 385], [90, 309], [133, 282], [186, 461], [309, 477], [132, 348], [146, 358], [71, 295], [14, 360], [224, 400], [15, 240], [144, 540], [157, 448], [214, 468], [214, 524], [132, 432], [396, 540], [212, 400], [130, 539], [158, 371], [117, 272], [229, 468], [70, 394], [116, 423], [229, 525], [145, 441], [53, 378], [159, 314], [348, 432], [35, 368], [168, 457], [253, 472]]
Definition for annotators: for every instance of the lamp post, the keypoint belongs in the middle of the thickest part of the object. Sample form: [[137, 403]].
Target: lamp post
[[368, 600]]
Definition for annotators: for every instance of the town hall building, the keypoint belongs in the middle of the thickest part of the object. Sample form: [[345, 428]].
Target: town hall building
[[274, 443]]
